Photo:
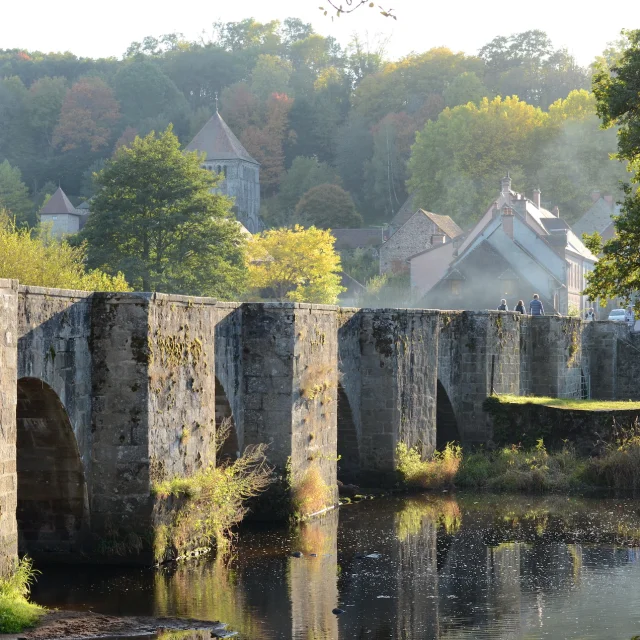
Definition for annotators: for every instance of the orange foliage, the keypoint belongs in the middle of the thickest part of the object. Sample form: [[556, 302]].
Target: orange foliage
[[88, 115]]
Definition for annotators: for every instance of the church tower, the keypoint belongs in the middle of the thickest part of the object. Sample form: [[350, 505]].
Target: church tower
[[226, 155]]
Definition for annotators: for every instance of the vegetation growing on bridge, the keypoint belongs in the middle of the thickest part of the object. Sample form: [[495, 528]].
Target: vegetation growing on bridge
[[203, 508], [16, 612], [437, 471]]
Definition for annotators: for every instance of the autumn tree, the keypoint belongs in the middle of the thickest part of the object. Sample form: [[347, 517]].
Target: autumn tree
[[88, 116], [328, 206], [617, 91], [38, 259], [296, 265], [155, 218]]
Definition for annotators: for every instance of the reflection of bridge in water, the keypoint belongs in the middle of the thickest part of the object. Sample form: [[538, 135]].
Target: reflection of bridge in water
[[105, 394], [447, 569]]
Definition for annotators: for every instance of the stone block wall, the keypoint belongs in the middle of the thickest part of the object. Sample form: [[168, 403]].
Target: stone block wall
[[8, 377]]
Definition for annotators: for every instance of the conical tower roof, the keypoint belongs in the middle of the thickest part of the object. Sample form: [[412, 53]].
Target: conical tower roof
[[59, 203], [219, 142]]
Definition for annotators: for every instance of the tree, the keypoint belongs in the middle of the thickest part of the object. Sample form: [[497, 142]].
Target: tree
[[466, 87], [14, 195], [40, 260], [270, 75], [457, 161], [328, 206], [46, 97], [155, 218], [617, 91], [298, 265], [88, 116]]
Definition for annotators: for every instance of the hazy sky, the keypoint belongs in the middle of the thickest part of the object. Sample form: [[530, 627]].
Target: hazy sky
[[106, 28]]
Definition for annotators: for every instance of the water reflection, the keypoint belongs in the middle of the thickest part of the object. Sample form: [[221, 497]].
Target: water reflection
[[415, 568]]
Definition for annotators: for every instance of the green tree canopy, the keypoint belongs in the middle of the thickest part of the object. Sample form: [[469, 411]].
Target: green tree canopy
[[155, 219], [14, 195], [617, 90], [328, 206]]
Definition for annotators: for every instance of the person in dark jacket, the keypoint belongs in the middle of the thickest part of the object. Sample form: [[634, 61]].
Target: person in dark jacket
[[535, 306], [520, 308], [503, 305]]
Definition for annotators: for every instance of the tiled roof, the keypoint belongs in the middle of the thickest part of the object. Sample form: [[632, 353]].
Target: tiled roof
[[404, 213], [218, 142], [444, 223], [59, 203], [356, 238], [598, 218]]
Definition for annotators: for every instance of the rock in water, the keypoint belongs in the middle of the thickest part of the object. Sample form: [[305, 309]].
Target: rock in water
[[297, 554], [337, 611]]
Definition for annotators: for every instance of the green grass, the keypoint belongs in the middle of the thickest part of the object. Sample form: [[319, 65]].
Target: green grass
[[16, 612], [571, 403]]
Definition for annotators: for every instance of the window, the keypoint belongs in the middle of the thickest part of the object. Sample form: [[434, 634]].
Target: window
[[224, 170], [455, 287], [510, 287]]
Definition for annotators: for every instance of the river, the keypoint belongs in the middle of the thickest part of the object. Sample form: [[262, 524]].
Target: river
[[446, 567]]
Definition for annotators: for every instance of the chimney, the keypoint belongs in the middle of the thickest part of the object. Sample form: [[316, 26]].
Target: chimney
[[506, 184], [507, 221], [496, 212], [556, 211], [437, 238], [536, 197], [595, 195]]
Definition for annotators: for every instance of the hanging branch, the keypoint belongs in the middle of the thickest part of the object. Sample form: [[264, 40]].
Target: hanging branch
[[352, 5]]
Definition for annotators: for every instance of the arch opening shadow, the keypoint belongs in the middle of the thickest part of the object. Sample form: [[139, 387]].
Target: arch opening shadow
[[53, 510], [446, 423], [230, 449], [348, 447]]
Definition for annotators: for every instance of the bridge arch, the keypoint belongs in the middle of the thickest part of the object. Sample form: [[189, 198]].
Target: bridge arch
[[231, 446], [53, 507], [348, 445], [446, 423]]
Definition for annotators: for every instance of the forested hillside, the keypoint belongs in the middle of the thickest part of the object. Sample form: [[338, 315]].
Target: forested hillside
[[314, 113]]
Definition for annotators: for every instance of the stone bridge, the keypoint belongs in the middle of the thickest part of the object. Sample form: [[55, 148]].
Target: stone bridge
[[104, 394]]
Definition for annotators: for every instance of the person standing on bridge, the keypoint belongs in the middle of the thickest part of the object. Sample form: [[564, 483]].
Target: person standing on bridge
[[520, 308], [503, 305], [535, 306]]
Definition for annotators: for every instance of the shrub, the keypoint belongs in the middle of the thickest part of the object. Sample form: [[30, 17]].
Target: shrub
[[310, 494], [16, 612], [209, 503], [619, 467], [437, 471]]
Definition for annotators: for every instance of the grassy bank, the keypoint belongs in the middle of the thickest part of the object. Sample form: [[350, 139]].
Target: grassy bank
[[516, 469], [572, 403], [16, 612]]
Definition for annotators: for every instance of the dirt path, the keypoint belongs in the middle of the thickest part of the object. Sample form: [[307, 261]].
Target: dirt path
[[80, 625]]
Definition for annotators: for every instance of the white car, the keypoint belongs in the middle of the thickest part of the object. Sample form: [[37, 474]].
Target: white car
[[617, 315]]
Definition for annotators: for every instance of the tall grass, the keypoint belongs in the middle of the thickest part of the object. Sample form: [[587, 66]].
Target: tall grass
[[209, 504], [310, 494], [437, 471], [619, 467], [16, 612]]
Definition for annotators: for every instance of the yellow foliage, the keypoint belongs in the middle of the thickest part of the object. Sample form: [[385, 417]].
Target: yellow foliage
[[578, 105], [296, 265], [436, 472], [38, 259]]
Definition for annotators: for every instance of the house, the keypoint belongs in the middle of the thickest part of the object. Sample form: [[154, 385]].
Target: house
[[358, 238], [63, 217], [517, 248], [599, 217], [225, 155], [421, 230]]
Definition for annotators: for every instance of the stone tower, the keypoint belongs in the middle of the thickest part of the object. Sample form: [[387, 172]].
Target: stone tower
[[226, 155]]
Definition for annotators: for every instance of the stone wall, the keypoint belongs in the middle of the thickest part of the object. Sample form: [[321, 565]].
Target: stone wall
[[8, 399], [414, 236]]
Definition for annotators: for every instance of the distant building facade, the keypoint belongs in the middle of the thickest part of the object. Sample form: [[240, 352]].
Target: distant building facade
[[420, 230], [599, 216], [516, 249], [63, 217], [225, 155]]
